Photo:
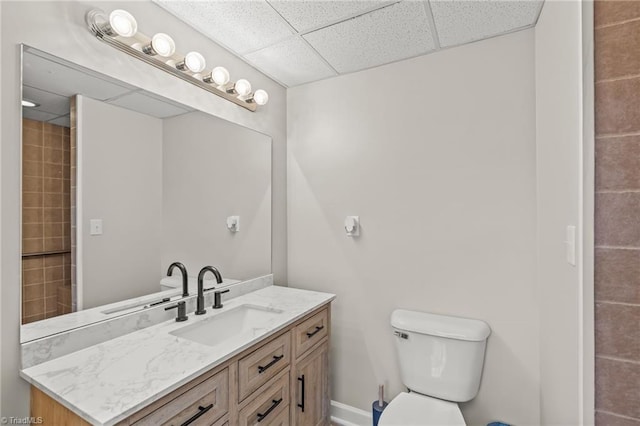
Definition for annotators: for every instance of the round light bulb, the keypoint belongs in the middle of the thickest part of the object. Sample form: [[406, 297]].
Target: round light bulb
[[163, 45], [123, 23], [220, 76], [242, 87], [261, 97], [194, 62]]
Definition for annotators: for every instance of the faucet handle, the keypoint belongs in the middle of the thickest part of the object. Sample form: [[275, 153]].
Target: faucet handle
[[182, 310], [217, 298]]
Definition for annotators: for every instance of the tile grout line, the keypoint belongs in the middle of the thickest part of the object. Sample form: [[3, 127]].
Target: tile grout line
[[617, 191], [621, 78], [615, 24], [616, 136], [613, 358], [622, 416], [608, 302], [616, 247]]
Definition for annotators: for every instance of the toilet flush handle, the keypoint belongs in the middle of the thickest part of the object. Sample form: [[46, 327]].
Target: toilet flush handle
[[401, 335]]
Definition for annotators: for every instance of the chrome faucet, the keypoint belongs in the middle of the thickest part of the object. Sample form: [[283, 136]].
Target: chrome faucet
[[200, 300], [185, 278]]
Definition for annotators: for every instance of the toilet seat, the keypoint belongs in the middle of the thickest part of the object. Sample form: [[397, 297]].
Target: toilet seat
[[412, 409]]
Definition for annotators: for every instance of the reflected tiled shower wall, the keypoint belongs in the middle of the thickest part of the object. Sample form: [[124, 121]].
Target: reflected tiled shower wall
[[46, 227], [617, 262]]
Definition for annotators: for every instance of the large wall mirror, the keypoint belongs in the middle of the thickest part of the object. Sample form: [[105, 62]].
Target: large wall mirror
[[118, 183]]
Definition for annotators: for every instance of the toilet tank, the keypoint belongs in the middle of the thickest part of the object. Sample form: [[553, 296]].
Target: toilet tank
[[440, 356]]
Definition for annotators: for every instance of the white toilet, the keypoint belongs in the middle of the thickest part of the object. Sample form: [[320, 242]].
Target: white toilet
[[441, 359]]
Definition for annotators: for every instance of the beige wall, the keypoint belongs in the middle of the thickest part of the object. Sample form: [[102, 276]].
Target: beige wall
[[439, 163], [119, 182], [214, 169], [558, 36], [59, 28]]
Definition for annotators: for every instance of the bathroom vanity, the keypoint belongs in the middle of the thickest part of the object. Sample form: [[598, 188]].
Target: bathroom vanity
[[262, 358]]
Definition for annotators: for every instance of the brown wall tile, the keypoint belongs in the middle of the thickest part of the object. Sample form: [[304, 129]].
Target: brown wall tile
[[617, 275], [607, 12], [52, 199], [53, 244], [32, 153], [52, 185], [34, 318], [618, 163], [617, 331], [32, 137], [50, 170], [33, 276], [32, 245], [32, 184], [52, 155], [617, 387], [32, 168], [36, 262], [34, 307], [31, 124], [33, 292], [32, 200], [54, 273], [616, 51], [606, 419], [32, 215], [617, 220], [618, 106], [32, 230]]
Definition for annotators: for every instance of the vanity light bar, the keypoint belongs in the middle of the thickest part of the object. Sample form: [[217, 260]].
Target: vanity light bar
[[120, 30]]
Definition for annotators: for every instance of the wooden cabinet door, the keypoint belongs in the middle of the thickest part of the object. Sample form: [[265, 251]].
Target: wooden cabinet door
[[310, 383]]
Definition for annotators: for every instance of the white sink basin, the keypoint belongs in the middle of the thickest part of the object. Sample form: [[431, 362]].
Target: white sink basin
[[237, 323]]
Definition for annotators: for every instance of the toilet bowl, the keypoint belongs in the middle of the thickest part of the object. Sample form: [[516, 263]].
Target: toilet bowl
[[441, 360], [413, 409]]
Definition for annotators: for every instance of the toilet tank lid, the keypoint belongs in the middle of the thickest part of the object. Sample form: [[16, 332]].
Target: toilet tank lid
[[440, 325]]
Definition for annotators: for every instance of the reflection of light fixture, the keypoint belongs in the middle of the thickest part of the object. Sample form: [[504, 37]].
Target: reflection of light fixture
[[29, 104], [241, 87], [219, 76], [123, 23], [260, 97], [193, 61], [119, 30], [161, 44]]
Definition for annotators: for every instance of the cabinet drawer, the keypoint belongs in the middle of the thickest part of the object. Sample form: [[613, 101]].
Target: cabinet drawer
[[255, 369], [208, 401], [310, 332], [267, 406]]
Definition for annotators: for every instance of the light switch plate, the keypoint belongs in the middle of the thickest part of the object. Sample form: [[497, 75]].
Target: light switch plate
[[571, 245], [95, 227]]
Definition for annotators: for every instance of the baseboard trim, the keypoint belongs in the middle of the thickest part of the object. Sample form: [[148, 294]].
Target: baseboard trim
[[346, 415]]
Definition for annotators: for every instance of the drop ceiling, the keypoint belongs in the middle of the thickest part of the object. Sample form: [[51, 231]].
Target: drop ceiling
[[300, 41], [50, 82]]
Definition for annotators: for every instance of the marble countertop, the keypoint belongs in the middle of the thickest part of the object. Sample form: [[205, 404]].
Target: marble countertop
[[108, 382], [39, 329]]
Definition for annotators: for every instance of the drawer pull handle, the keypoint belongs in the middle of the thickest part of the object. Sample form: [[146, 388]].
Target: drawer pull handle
[[274, 404], [313, 333], [301, 379], [275, 359], [198, 414]]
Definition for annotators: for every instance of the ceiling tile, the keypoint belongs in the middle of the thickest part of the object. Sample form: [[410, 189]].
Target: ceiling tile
[[459, 22], [307, 14], [47, 102], [34, 114], [386, 35], [291, 62], [241, 26], [148, 105]]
